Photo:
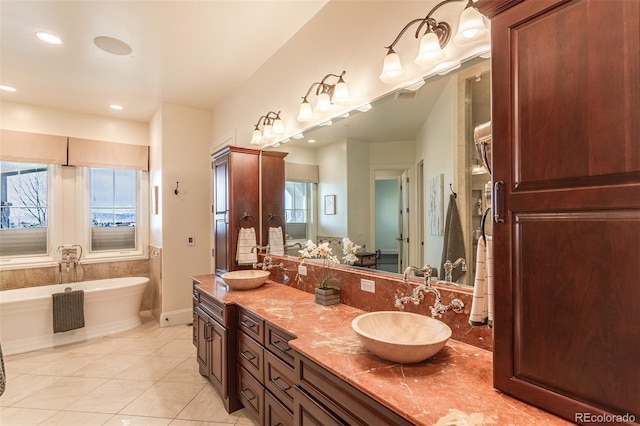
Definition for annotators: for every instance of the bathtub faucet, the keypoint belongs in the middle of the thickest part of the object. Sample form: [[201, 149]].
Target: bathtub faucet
[[69, 257]]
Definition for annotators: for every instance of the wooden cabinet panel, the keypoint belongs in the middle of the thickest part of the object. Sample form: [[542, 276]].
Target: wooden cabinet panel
[[565, 132], [251, 324], [275, 414], [251, 395], [309, 413], [280, 379], [272, 192], [276, 341], [340, 398], [251, 356]]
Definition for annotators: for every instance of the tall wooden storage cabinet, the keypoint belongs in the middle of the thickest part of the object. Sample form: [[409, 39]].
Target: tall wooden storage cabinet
[[236, 176], [272, 175], [566, 161]]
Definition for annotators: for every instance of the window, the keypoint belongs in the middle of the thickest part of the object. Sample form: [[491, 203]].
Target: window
[[296, 209], [113, 208], [24, 209]]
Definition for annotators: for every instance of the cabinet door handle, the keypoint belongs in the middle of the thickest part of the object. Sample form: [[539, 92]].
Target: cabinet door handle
[[498, 214], [207, 331], [248, 324], [282, 388], [244, 391], [248, 355], [282, 348]]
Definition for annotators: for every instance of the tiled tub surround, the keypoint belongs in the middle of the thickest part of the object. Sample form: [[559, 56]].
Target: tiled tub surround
[[452, 388], [387, 287], [35, 277]]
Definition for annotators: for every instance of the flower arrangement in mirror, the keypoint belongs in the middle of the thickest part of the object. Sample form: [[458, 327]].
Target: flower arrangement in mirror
[[325, 293]]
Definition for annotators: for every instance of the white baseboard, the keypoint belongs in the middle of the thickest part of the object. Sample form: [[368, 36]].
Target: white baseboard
[[180, 317]]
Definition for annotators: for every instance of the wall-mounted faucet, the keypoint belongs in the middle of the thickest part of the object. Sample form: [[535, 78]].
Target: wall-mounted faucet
[[417, 295], [449, 267], [267, 262], [69, 257]]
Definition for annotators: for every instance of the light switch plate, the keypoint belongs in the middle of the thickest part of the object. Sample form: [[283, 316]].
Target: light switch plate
[[368, 285], [302, 270]]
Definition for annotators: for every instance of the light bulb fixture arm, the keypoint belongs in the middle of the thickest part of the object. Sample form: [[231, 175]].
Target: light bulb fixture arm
[[440, 29], [267, 119]]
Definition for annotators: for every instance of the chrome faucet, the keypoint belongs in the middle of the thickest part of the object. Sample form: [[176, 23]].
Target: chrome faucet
[[417, 295], [449, 267], [267, 262]]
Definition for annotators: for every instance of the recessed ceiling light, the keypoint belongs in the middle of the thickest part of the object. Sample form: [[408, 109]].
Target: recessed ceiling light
[[112, 45], [48, 37], [311, 141], [8, 88], [115, 106]]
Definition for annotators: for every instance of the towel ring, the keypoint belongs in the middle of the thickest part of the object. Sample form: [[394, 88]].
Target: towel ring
[[246, 216], [274, 218], [482, 222]]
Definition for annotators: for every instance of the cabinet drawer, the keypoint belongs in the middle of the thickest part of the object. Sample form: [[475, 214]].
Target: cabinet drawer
[[213, 307], [276, 340], [251, 324], [250, 356], [308, 412], [251, 394], [279, 378], [275, 414]]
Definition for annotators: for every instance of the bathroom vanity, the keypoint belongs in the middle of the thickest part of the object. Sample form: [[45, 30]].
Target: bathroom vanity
[[288, 360]]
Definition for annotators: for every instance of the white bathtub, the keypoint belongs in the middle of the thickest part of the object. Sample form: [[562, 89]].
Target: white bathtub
[[26, 314]]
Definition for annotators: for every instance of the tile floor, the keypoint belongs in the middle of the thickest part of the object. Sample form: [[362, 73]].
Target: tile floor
[[147, 376]]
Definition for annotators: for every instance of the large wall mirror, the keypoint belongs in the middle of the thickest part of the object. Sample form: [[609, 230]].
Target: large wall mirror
[[384, 177]]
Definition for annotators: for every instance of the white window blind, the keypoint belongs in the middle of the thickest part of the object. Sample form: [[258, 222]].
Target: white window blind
[[28, 147]]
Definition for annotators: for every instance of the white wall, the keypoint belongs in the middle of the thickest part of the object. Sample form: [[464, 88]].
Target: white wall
[[359, 197], [185, 159], [435, 144], [332, 165]]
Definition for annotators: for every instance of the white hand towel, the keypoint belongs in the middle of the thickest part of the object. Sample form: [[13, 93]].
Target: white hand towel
[[482, 304], [276, 241], [246, 241]]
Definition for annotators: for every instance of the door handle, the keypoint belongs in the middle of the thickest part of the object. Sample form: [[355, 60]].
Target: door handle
[[497, 198]]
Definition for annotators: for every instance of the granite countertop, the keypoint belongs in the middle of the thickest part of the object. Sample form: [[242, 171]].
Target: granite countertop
[[454, 387]]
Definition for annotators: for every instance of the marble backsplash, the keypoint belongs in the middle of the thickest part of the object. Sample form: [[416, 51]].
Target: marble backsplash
[[386, 288]]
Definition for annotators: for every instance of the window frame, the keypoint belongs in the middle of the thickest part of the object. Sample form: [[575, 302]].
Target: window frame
[[54, 227], [83, 231], [311, 190]]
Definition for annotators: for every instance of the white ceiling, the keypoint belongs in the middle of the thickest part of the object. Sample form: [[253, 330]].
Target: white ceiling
[[189, 53]]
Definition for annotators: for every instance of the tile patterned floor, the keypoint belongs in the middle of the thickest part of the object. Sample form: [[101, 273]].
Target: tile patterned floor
[[143, 377]]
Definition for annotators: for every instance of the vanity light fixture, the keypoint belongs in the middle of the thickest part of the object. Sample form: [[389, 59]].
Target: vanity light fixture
[[272, 126], [436, 36], [327, 94]]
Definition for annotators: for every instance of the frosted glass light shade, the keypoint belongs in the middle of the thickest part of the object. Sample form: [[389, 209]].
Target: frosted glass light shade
[[471, 27], [392, 68], [341, 93], [256, 138], [324, 102], [278, 127], [430, 51], [305, 113], [268, 131]]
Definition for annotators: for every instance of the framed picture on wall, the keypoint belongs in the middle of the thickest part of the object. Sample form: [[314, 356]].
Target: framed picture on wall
[[329, 204]]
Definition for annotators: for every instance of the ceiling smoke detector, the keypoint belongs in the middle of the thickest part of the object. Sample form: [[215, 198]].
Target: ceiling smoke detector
[[112, 45]]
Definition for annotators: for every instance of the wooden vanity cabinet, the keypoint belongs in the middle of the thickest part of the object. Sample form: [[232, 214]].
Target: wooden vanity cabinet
[[236, 190], [214, 328], [566, 162], [266, 379]]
